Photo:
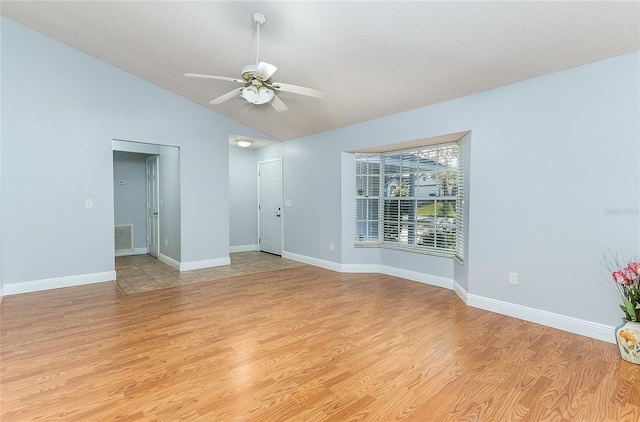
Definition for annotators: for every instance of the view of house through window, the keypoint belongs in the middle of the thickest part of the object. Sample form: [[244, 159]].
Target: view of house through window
[[411, 200]]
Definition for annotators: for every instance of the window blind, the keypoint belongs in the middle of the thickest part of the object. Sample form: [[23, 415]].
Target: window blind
[[411, 200]]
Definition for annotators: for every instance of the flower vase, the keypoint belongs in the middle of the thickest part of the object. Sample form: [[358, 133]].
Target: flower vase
[[628, 338]]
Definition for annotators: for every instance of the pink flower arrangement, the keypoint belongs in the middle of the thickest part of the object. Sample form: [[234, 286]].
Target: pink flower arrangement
[[626, 278]]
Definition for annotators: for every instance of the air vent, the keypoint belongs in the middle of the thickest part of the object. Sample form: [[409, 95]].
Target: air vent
[[124, 237]]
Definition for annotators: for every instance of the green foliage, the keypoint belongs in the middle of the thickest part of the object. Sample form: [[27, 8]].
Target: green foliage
[[442, 209], [632, 304], [401, 190]]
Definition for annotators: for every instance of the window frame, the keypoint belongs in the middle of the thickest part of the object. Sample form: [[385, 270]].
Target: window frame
[[375, 229]]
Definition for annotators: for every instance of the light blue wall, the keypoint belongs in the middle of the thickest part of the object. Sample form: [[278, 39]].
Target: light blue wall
[[130, 203], [549, 156], [243, 197], [311, 181], [170, 193], [61, 109]]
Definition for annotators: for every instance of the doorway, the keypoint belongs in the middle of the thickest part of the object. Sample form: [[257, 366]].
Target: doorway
[[147, 198], [270, 206]]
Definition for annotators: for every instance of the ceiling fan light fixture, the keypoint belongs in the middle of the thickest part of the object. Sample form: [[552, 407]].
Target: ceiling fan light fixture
[[244, 143], [257, 94]]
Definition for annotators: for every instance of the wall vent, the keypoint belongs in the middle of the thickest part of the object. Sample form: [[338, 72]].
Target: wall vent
[[124, 237]]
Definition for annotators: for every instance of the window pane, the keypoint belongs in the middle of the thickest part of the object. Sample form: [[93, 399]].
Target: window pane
[[445, 238], [372, 231], [391, 231], [426, 209], [446, 208], [406, 208], [361, 230], [391, 212], [367, 164], [427, 185], [367, 185], [425, 235], [366, 209]]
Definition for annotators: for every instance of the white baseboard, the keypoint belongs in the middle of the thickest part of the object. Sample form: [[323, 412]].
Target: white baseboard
[[196, 265], [169, 261], [360, 268], [462, 293], [58, 282], [549, 319], [136, 251], [329, 265], [243, 248], [193, 265], [433, 280]]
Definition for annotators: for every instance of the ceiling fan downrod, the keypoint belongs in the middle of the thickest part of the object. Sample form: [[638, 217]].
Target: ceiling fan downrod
[[259, 19]]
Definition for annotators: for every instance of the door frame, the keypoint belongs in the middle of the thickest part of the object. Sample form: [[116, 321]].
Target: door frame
[[270, 160]]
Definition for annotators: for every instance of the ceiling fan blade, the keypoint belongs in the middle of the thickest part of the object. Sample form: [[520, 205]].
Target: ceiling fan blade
[[226, 96], [298, 89], [218, 78], [277, 104], [264, 71]]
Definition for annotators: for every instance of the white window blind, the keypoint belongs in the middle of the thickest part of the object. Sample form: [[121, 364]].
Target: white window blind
[[411, 200]]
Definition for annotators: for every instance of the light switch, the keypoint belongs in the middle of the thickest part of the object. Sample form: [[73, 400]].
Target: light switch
[[288, 203], [88, 203]]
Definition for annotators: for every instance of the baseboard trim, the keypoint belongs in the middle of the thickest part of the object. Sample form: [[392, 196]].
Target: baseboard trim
[[136, 251], [360, 268], [433, 280], [207, 263], [561, 322], [58, 282], [169, 261], [329, 265], [462, 293], [243, 248]]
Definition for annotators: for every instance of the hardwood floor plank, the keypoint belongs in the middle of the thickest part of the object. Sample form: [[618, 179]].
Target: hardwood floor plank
[[299, 344]]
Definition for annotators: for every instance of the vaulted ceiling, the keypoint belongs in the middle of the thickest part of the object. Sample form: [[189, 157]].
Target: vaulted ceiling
[[372, 59]]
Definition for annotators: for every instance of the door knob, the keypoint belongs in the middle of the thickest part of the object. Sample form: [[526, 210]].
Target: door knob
[[278, 215]]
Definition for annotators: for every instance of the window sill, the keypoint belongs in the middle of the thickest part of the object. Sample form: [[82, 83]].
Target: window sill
[[408, 249]]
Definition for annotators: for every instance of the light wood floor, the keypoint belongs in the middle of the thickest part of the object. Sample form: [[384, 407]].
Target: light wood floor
[[301, 344]]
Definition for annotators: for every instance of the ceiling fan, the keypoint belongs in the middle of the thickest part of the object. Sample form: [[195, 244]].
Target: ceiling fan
[[256, 78]]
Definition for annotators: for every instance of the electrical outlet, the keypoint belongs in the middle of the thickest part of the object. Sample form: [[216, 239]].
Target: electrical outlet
[[513, 279], [166, 242], [331, 246]]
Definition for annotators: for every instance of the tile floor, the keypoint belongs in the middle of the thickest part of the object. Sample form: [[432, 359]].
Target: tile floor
[[142, 273]]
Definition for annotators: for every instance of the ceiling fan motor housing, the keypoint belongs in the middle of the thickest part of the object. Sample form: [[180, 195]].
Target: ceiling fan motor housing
[[248, 71]]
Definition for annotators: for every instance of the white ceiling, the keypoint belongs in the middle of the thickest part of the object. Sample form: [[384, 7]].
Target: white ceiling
[[372, 59]]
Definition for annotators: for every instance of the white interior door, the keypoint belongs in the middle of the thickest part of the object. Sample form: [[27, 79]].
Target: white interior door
[[153, 228], [270, 206]]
